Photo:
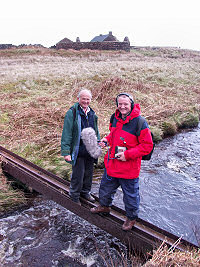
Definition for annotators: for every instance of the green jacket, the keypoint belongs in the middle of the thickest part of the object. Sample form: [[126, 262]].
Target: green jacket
[[71, 133]]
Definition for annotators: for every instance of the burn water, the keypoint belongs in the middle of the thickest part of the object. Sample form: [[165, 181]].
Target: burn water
[[46, 234]]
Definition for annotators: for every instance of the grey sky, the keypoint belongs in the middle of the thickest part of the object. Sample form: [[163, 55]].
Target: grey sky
[[145, 22]]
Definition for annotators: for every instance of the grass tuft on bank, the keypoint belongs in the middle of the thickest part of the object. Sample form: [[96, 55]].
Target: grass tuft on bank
[[38, 86], [164, 256], [9, 198]]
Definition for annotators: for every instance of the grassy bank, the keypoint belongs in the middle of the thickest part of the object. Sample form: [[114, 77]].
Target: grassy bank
[[37, 87]]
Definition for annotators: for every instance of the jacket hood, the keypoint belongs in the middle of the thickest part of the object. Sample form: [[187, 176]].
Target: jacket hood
[[134, 113]]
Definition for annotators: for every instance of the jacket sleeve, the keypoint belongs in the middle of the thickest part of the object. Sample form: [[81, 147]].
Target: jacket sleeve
[[66, 139], [144, 146]]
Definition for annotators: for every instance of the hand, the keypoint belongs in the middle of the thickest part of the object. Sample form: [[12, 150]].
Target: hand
[[103, 142], [121, 156], [68, 158]]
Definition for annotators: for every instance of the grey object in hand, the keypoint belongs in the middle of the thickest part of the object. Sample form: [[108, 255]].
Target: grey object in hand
[[89, 138]]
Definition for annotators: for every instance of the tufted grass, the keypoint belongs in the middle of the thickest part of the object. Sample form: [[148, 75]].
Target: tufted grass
[[9, 198], [38, 85]]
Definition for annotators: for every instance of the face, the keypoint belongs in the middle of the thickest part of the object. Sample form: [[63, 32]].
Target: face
[[84, 100], [124, 105]]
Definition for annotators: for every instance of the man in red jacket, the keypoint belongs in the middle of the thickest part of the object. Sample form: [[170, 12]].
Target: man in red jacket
[[123, 160]]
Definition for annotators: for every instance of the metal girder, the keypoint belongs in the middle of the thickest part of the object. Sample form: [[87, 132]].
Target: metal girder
[[143, 237]]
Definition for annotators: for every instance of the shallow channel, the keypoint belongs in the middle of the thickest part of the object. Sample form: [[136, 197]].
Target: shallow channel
[[170, 186], [47, 235]]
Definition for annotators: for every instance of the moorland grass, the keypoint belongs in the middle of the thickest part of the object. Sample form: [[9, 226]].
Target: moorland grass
[[164, 256], [9, 198], [38, 86]]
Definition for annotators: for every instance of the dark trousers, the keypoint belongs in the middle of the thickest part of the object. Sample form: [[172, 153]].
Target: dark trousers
[[81, 179], [130, 188]]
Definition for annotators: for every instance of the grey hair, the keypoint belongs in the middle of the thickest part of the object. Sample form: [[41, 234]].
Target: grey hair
[[85, 91]]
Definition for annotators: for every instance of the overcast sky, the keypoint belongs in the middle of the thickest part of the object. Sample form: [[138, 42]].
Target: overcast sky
[[145, 22]]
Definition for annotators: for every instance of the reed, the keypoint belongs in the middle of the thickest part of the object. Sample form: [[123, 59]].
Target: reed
[[9, 198]]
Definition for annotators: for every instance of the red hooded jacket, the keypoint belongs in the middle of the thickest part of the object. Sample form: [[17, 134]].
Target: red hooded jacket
[[123, 133]]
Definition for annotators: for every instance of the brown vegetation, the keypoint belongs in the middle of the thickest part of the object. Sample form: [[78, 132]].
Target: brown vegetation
[[166, 257], [9, 198], [38, 86]]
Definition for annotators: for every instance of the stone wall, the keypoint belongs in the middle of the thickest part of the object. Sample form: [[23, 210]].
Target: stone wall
[[6, 46], [95, 46]]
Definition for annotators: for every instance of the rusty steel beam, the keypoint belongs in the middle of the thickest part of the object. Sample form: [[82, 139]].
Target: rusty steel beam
[[143, 237]]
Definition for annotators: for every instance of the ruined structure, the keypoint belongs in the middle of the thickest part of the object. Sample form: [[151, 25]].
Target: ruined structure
[[9, 46], [6, 46], [101, 42]]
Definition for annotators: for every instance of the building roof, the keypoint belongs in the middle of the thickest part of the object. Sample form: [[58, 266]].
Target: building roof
[[65, 40], [99, 38]]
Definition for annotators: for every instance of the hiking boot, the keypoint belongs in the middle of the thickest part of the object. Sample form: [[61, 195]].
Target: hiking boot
[[88, 197], [101, 210], [128, 224]]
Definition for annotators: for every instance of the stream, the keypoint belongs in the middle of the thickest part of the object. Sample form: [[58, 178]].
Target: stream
[[46, 234]]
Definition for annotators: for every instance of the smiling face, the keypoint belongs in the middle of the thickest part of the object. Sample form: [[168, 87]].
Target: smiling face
[[124, 105], [84, 100]]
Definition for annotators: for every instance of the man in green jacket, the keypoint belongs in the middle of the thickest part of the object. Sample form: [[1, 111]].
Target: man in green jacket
[[78, 117]]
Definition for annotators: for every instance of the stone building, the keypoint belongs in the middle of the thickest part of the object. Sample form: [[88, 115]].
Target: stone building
[[101, 42]]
